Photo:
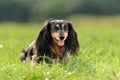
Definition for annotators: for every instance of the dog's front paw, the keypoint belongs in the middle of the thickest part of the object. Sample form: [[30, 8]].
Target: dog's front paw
[[34, 63]]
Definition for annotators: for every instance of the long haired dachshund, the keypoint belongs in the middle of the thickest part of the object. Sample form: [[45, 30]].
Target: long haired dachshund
[[54, 41]]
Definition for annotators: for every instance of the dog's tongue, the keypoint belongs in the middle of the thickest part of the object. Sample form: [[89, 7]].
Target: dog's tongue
[[60, 42]]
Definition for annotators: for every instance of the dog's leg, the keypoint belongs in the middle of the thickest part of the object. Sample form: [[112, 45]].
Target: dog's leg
[[65, 57], [35, 60]]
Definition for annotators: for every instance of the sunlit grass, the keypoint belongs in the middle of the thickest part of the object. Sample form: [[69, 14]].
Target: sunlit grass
[[99, 55]]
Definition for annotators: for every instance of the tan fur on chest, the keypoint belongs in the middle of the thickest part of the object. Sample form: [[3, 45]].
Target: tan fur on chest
[[57, 50]]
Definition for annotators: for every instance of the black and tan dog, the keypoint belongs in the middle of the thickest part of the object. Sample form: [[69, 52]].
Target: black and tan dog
[[54, 41]]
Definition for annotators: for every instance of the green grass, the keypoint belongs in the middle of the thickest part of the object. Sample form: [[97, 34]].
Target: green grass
[[99, 55]]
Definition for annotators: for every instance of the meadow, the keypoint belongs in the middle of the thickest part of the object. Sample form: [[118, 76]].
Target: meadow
[[98, 59]]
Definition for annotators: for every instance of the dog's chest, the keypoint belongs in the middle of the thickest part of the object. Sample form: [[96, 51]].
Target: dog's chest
[[57, 50]]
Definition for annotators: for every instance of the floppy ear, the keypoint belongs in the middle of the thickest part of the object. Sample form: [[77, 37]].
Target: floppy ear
[[43, 40], [72, 40]]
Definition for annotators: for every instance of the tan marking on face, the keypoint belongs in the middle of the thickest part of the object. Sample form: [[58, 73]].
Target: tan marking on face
[[63, 25], [57, 25], [55, 35], [65, 35]]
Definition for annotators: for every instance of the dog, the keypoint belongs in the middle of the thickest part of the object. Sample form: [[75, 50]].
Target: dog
[[56, 39]]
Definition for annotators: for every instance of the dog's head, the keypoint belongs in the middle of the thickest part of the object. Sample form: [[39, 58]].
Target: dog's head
[[61, 32]]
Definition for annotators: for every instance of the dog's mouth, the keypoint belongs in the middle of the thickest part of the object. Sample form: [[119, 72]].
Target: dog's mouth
[[60, 42]]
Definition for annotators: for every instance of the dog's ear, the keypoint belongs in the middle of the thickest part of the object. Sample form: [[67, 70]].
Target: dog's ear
[[72, 40], [43, 40]]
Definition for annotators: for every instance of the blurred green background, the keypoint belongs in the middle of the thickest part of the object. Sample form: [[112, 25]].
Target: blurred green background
[[97, 23], [40, 10]]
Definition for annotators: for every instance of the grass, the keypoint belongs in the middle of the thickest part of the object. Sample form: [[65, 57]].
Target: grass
[[99, 55]]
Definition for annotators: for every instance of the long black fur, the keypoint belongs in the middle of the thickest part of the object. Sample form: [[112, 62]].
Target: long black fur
[[42, 44]]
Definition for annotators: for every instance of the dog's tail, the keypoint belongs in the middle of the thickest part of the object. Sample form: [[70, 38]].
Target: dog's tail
[[23, 56], [27, 53]]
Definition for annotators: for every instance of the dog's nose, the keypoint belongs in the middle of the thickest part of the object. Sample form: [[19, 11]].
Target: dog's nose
[[62, 37]]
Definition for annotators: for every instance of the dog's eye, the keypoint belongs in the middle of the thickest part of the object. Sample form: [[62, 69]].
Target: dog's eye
[[56, 28], [65, 28]]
